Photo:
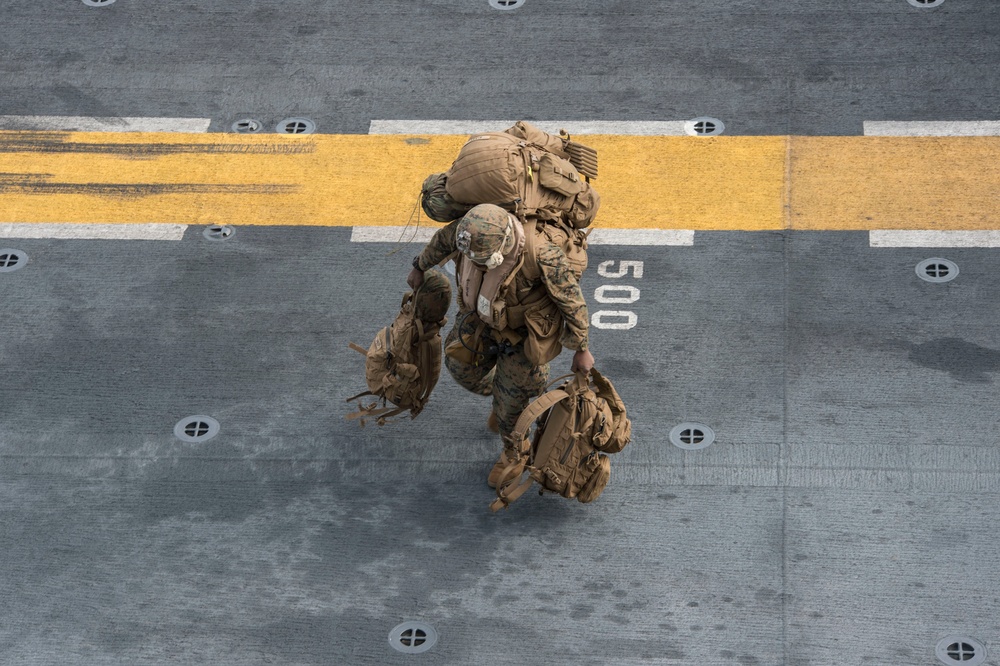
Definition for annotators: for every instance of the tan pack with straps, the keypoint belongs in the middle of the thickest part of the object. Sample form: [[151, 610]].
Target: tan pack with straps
[[527, 171], [577, 424], [402, 364]]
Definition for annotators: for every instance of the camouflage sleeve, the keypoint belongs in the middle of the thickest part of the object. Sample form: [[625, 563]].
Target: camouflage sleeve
[[442, 244], [564, 289]]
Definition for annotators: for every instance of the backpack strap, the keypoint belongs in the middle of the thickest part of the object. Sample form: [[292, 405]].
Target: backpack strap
[[534, 410], [504, 498], [507, 492], [543, 403], [360, 395], [358, 348], [529, 265], [424, 363], [370, 412]]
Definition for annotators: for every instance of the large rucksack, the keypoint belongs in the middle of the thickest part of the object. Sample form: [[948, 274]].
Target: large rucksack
[[576, 425], [527, 171], [403, 362]]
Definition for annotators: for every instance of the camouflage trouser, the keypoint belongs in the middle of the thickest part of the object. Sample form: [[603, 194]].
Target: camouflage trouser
[[505, 373]]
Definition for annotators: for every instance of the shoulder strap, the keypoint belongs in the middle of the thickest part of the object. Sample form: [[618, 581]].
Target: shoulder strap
[[534, 410], [380, 415], [360, 395], [426, 373], [505, 497], [529, 257]]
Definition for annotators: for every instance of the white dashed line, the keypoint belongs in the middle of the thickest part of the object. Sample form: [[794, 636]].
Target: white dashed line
[[392, 234], [893, 238], [170, 232], [679, 237], [630, 128], [932, 128], [89, 124]]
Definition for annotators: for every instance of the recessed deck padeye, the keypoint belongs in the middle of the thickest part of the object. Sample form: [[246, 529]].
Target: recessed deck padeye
[[413, 637], [195, 429], [692, 436], [506, 4], [12, 260], [704, 126], [219, 232], [937, 270], [960, 650], [295, 126], [247, 126]]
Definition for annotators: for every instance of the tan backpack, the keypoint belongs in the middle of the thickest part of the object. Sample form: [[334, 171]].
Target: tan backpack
[[524, 170], [576, 425], [403, 362]]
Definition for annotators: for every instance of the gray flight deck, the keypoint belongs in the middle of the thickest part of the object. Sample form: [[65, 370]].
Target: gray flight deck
[[848, 512]]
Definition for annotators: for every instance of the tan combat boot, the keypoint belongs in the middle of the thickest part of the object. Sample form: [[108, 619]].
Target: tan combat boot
[[501, 464]]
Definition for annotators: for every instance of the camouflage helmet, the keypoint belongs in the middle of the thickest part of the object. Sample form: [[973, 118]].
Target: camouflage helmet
[[483, 234]]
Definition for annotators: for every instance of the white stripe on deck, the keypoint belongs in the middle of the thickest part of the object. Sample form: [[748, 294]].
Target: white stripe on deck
[[93, 124], [630, 128], [894, 238], [641, 237], [170, 232], [932, 128], [681, 237]]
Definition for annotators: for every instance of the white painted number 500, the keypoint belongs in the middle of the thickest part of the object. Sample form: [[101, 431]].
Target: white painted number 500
[[616, 320], [604, 269], [631, 293]]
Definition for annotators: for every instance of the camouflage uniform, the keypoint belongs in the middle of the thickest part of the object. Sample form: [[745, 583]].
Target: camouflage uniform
[[505, 372]]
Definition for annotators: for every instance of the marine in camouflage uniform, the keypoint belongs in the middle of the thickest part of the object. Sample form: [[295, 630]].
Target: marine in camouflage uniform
[[504, 372]]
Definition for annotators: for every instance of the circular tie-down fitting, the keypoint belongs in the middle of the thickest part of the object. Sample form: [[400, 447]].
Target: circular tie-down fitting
[[12, 260], [704, 126], [219, 232], [247, 126], [937, 270], [924, 4], [413, 637], [295, 126], [692, 436], [506, 4], [960, 651], [98, 3], [198, 428]]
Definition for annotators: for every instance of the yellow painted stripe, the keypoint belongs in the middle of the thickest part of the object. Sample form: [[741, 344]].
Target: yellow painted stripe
[[895, 183], [718, 183]]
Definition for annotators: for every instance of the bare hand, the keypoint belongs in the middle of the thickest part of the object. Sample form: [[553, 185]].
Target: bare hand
[[583, 361], [415, 278]]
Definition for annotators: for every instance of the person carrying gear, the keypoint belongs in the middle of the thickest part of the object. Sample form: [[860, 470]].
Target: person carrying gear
[[519, 303]]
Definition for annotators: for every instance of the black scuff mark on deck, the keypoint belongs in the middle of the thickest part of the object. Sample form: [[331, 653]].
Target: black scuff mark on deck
[[23, 183], [963, 360], [59, 142]]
